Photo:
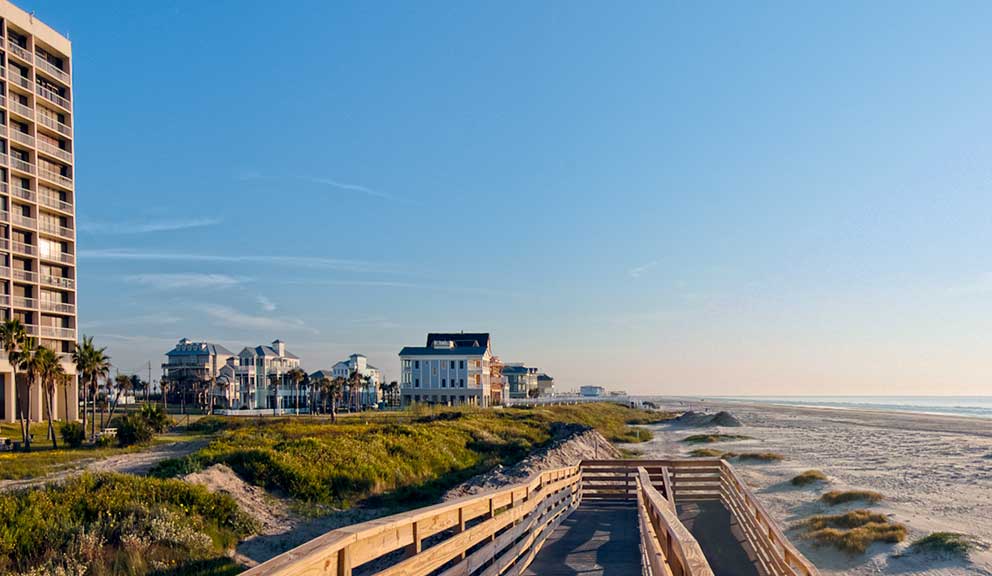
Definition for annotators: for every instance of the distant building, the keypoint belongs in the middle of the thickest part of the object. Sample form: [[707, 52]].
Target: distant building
[[191, 367], [592, 391], [520, 380], [545, 385], [452, 369], [255, 371], [370, 393]]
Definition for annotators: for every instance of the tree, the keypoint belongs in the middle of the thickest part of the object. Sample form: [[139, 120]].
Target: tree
[[122, 383], [91, 363], [355, 382], [332, 390], [25, 358], [12, 336], [297, 376], [274, 384], [50, 373]]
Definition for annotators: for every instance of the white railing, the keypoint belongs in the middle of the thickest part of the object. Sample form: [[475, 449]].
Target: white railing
[[24, 275], [59, 282], [52, 69], [51, 96], [58, 307], [54, 176], [22, 220], [22, 193], [22, 302], [18, 136], [17, 107], [54, 202], [54, 124], [57, 332], [21, 53], [23, 248], [22, 165], [55, 151]]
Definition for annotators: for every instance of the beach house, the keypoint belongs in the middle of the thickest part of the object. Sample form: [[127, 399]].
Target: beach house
[[191, 367], [369, 394], [258, 367], [521, 380], [452, 369]]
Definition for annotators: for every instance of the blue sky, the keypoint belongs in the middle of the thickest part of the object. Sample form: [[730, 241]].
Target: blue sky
[[661, 197]]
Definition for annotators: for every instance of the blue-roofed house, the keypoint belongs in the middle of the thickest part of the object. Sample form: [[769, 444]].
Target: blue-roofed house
[[191, 366], [456, 368], [256, 367]]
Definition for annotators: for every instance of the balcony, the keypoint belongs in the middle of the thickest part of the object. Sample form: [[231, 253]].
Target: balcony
[[50, 201], [23, 248], [54, 124], [55, 151], [57, 332], [4, 243], [24, 275], [20, 109], [21, 53], [53, 176], [4, 159], [3, 72], [22, 302], [4, 217], [18, 136], [3, 187], [58, 307], [59, 282], [52, 69], [23, 221], [24, 193], [5, 300], [54, 228], [3, 129], [51, 96], [22, 165]]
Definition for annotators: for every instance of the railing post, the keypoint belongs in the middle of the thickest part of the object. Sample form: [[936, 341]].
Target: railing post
[[461, 526], [344, 562], [416, 546]]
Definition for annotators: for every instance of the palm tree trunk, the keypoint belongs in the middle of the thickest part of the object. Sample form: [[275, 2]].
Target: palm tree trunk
[[51, 409], [65, 397]]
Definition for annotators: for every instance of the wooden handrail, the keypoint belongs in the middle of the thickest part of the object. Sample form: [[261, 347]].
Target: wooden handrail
[[678, 546]]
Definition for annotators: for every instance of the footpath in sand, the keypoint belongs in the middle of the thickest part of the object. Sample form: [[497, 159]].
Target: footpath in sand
[[935, 473]]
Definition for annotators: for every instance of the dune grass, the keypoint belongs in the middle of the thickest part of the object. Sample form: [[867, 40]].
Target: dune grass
[[740, 456], [707, 453], [853, 531], [835, 497], [944, 543], [711, 438], [808, 477]]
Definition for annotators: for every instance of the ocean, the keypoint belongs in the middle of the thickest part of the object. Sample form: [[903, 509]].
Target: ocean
[[976, 406]]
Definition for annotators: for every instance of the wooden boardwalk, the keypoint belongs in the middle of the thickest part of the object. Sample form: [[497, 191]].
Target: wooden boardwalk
[[713, 527], [598, 539]]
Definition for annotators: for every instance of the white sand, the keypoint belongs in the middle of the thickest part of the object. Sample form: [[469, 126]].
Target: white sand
[[935, 472]]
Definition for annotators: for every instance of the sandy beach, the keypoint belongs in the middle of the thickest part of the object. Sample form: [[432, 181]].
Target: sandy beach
[[935, 473]]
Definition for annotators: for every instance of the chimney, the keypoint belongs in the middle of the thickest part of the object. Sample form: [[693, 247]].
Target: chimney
[[280, 347]]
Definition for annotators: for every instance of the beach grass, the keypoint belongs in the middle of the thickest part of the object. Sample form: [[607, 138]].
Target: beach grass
[[707, 453], [852, 531], [944, 543], [740, 456], [711, 438], [835, 497], [808, 477]]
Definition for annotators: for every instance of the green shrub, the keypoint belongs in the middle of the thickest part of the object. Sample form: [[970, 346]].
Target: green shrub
[[175, 467], [835, 497], [133, 429], [809, 477], [73, 434], [710, 438], [944, 543], [854, 531], [156, 417]]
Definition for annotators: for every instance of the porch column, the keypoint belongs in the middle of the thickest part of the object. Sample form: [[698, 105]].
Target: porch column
[[9, 393]]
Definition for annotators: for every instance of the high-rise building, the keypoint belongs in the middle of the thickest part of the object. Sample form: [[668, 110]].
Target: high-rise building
[[37, 200]]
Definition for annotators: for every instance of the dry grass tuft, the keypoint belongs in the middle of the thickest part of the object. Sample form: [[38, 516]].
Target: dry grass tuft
[[759, 456], [707, 453], [853, 531], [711, 438], [835, 497], [944, 543], [809, 477]]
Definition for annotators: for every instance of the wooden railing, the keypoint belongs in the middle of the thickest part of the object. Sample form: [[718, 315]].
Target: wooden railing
[[501, 531]]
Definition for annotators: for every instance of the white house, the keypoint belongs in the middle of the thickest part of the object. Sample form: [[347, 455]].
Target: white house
[[255, 368], [452, 369], [370, 394]]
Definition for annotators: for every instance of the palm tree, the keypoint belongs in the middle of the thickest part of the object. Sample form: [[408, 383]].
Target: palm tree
[[25, 358], [274, 384], [355, 381], [123, 383], [334, 388], [91, 364], [297, 376], [50, 373], [12, 335]]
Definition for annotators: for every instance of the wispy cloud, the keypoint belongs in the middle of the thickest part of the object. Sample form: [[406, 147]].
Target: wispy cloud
[[265, 303], [155, 318], [298, 261], [638, 271], [148, 226], [324, 181], [183, 281], [407, 285], [231, 318]]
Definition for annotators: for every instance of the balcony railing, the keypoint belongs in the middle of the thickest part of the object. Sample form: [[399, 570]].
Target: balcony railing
[[4, 299], [4, 243], [54, 202], [22, 302], [52, 69], [4, 271], [4, 217], [24, 275], [22, 220], [18, 136], [54, 228], [20, 52], [3, 100], [54, 176], [59, 282], [18, 108], [22, 193], [3, 187], [55, 151], [3, 72], [51, 96], [59, 307], [22, 81], [54, 124], [22, 165], [23, 248], [3, 129], [57, 332], [4, 159]]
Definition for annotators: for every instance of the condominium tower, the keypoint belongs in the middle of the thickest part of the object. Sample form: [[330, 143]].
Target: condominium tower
[[37, 199]]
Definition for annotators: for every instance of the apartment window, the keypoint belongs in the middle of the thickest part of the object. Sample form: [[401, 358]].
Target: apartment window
[[461, 382], [416, 364], [461, 364], [444, 382], [452, 365], [416, 383]]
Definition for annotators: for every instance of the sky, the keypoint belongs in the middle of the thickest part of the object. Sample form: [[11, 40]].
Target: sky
[[661, 197]]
